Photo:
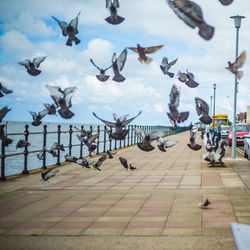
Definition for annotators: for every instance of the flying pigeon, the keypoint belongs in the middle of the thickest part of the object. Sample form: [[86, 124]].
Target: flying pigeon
[[3, 137], [69, 158], [110, 154], [3, 112], [4, 90], [114, 19], [38, 116], [165, 66], [124, 162], [51, 108], [239, 62], [88, 139], [226, 2], [102, 77], [40, 155], [204, 204], [62, 99], [85, 163], [32, 67], [119, 133], [188, 79], [191, 14], [175, 116], [163, 144], [202, 110], [22, 143], [70, 29], [54, 148], [192, 143], [99, 162], [118, 64], [48, 174], [143, 51]]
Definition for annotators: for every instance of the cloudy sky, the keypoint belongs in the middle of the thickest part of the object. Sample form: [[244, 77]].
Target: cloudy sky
[[27, 31]]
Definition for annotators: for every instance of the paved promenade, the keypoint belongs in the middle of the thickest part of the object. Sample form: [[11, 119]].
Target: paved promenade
[[154, 207]]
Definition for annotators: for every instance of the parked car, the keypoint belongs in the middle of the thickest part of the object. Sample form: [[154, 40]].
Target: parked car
[[247, 146], [242, 129], [225, 131]]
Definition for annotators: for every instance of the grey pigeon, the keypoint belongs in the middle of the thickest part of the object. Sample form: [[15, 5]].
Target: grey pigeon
[[188, 79], [114, 19], [22, 143], [88, 140], [118, 64], [70, 29], [3, 112], [110, 154], [4, 90], [165, 66], [120, 133], [102, 77], [226, 2], [191, 14], [192, 143], [3, 137], [239, 62], [141, 51], [32, 67], [54, 149], [69, 158], [85, 163], [62, 99], [124, 162], [48, 174], [40, 156], [202, 110], [175, 116], [51, 108], [37, 117], [99, 162]]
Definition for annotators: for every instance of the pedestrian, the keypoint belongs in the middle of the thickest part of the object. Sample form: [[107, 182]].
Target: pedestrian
[[219, 131]]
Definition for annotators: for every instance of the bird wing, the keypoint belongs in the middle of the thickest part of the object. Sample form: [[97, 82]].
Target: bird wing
[[183, 116], [201, 106], [94, 64], [5, 90], [156, 135], [174, 96], [25, 63], [33, 114], [93, 137], [240, 61], [169, 143], [173, 62], [68, 93], [122, 59], [74, 22], [153, 49], [38, 60], [226, 2], [56, 93], [130, 120], [116, 3], [123, 118], [108, 4], [164, 61], [63, 25], [43, 113], [54, 146], [109, 124], [133, 49], [140, 133], [116, 117]]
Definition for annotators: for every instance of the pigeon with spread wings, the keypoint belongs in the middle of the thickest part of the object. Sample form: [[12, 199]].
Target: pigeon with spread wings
[[188, 79], [4, 90], [32, 67], [239, 62], [165, 66], [88, 140], [141, 51], [118, 64], [102, 77], [192, 143], [191, 14], [175, 116], [37, 117], [114, 19], [120, 133], [62, 99], [70, 29], [48, 174], [202, 110], [51, 108]]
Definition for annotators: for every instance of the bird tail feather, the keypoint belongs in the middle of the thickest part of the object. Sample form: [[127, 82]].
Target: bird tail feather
[[115, 21], [148, 60], [239, 74], [119, 78], [206, 31]]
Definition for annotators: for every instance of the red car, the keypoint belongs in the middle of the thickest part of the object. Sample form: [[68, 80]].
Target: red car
[[242, 129]]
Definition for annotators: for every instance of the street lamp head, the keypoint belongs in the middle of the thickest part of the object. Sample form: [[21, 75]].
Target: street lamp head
[[214, 85], [237, 20]]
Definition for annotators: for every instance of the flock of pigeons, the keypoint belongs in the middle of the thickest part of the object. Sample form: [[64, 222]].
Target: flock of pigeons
[[192, 15]]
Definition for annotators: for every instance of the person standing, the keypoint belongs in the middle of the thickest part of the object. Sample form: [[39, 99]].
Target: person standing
[[219, 130]]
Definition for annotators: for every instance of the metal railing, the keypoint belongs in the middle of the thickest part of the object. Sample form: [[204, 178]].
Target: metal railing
[[105, 142]]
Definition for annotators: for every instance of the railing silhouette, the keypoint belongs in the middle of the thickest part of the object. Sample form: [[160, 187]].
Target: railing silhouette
[[106, 142]]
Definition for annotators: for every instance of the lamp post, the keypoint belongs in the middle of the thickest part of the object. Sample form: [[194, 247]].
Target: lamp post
[[211, 104], [237, 23], [214, 97]]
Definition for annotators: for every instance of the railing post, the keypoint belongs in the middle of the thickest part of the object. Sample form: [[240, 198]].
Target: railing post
[[131, 139], [129, 127], [81, 143], [70, 139], [91, 128], [44, 145], [135, 135], [98, 141], [110, 140], [3, 160], [104, 139], [59, 142], [115, 143], [26, 152]]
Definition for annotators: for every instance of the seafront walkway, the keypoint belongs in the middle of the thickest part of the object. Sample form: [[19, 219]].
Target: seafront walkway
[[153, 207]]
